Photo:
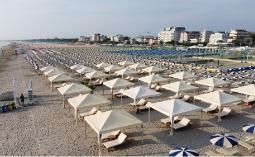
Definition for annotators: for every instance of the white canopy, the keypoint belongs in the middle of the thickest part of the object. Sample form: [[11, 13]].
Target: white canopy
[[53, 72], [218, 98], [246, 90], [140, 92], [111, 120], [60, 78], [103, 122], [85, 100], [125, 63], [102, 65], [154, 78], [153, 69], [47, 68], [74, 88], [179, 86], [96, 74], [118, 83], [77, 66], [125, 71], [182, 75], [212, 82], [138, 66], [172, 108], [85, 70], [112, 68]]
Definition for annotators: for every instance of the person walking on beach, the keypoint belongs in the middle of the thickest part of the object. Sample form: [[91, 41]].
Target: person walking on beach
[[22, 99]]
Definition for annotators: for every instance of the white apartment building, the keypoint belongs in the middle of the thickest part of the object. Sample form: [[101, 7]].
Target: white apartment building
[[169, 34], [83, 39], [95, 38], [239, 35], [189, 37], [205, 36], [217, 38]]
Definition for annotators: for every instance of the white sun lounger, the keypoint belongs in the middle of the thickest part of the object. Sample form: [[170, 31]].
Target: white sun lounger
[[210, 108], [224, 112], [91, 112], [168, 120], [110, 134], [181, 124], [141, 102], [227, 152], [186, 98], [210, 89], [176, 96], [246, 145], [121, 138]]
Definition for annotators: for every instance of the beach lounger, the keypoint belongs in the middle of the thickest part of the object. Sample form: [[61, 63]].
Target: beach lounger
[[152, 86], [91, 112], [210, 89], [212, 153], [158, 88], [181, 124], [210, 108], [176, 96], [168, 120], [110, 135], [246, 145], [121, 138], [227, 152], [224, 112], [186, 98], [141, 102]]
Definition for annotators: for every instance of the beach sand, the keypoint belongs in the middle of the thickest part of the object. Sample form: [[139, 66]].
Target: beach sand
[[47, 129]]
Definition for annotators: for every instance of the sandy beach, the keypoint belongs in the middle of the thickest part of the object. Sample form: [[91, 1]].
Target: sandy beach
[[47, 129]]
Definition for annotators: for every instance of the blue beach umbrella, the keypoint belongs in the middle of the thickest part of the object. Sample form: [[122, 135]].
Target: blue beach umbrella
[[183, 152], [250, 128], [224, 140]]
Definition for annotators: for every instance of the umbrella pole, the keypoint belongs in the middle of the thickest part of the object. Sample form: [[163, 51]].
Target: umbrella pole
[[85, 129], [112, 93], [121, 98], [172, 123], [99, 144], [142, 140], [76, 118], [219, 118], [63, 101], [201, 118], [149, 114]]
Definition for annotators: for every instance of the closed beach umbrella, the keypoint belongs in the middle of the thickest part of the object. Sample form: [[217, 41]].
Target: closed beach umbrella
[[183, 152], [250, 128], [224, 140]]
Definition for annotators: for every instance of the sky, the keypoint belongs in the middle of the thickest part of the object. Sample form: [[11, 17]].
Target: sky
[[33, 19]]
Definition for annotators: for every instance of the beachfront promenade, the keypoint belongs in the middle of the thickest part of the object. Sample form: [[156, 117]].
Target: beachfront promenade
[[47, 129]]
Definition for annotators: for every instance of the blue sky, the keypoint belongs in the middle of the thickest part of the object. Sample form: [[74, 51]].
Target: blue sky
[[26, 19]]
